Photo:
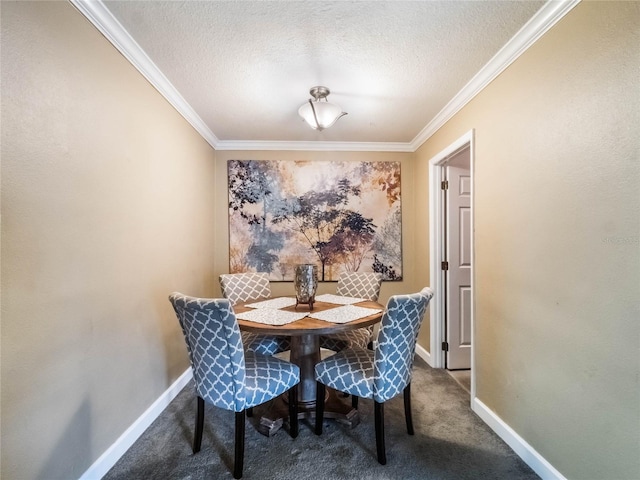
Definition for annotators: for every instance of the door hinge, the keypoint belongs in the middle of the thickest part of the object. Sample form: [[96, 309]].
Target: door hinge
[[445, 346], [444, 184], [445, 265]]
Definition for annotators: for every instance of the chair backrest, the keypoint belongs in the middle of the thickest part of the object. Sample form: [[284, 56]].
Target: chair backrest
[[360, 285], [215, 349], [393, 358], [243, 287]]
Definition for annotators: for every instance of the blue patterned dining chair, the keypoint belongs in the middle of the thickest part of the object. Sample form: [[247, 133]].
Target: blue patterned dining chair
[[244, 287], [381, 374], [365, 285], [227, 376]]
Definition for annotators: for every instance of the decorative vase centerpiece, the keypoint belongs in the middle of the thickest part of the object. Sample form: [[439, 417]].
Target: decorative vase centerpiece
[[306, 284]]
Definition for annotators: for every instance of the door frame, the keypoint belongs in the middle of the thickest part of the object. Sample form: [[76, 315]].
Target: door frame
[[437, 228]]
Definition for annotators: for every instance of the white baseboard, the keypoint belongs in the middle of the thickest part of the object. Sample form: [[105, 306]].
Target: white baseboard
[[109, 458], [526, 452], [423, 354]]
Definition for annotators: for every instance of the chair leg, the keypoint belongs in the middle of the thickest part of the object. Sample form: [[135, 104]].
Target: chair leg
[[407, 409], [293, 411], [197, 436], [239, 445], [354, 402], [320, 391], [379, 421]]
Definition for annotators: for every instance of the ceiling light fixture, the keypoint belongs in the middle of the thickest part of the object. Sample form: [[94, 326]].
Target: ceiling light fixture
[[320, 114]]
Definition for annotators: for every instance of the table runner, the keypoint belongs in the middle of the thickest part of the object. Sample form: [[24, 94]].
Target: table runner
[[344, 314], [280, 302], [270, 316], [338, 299]]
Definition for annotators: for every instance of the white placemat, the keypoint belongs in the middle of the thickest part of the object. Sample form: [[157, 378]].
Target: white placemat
[[280, 302], [344, 314], [338, 299], [270, 316]]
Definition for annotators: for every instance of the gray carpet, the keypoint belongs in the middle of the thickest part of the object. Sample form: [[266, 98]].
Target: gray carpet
[[450, 442]]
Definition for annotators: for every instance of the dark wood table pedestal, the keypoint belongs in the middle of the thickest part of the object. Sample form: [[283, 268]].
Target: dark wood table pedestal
[[305, 352]]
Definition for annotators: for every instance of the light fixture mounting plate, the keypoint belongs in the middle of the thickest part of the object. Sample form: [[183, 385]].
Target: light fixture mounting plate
[[319, 92]]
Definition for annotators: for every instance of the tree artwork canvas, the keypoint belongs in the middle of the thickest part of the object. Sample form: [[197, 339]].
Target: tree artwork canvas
[[340, 216]]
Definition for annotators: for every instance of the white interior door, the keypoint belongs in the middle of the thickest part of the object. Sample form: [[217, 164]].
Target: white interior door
[[458, 257]]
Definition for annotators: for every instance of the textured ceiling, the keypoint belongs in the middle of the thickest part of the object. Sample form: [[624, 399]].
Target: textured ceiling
[[246, 67]]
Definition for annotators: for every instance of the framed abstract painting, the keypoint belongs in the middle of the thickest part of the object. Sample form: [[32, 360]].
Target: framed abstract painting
[[340, 216]]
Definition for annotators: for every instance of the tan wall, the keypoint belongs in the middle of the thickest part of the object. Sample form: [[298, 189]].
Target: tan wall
[[411, 261], [106, 191], [106, 208], [557, 230], [422, 247]]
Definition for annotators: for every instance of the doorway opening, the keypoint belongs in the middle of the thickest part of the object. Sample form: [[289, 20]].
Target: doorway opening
[[451, 174]]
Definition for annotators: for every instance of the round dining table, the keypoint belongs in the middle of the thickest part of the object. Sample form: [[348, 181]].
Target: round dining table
[[305, 352]]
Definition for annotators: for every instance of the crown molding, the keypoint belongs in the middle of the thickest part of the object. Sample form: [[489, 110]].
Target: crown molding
[[98, 14], [315, 146], [550, 13]]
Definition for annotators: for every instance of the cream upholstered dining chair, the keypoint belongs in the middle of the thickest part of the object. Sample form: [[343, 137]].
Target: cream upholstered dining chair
[[226, 375], [244, 287], [381, 374], [365, 285]]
